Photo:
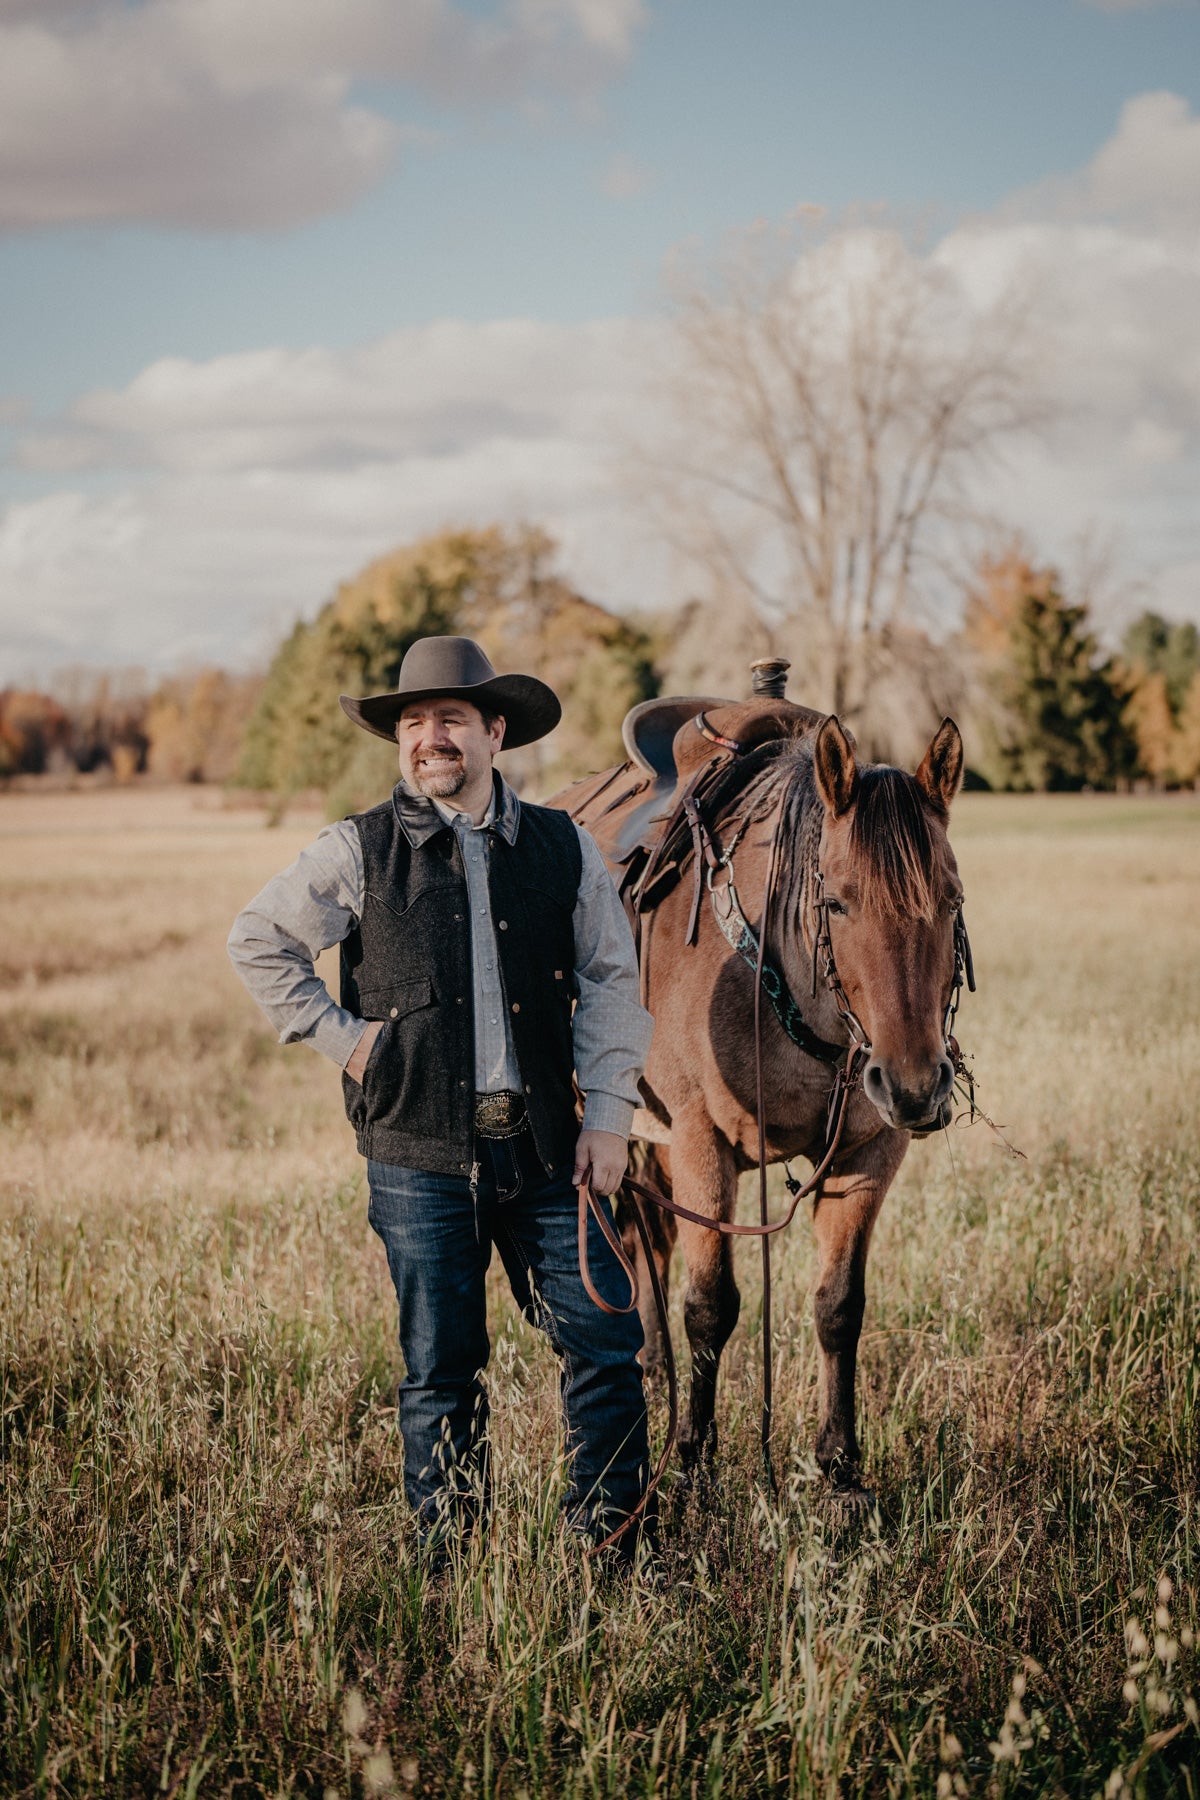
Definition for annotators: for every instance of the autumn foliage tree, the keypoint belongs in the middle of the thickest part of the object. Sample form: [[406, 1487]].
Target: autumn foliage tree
[[33, 727], [496, 585], [195, 724], [1162, 672]]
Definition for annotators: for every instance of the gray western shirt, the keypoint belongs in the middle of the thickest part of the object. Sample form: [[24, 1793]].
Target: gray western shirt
[[313, 904]]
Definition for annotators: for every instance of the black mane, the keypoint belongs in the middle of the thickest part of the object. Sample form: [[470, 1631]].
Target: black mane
[[891, 846]]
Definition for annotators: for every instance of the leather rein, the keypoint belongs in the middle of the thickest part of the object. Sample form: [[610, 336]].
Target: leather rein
[[715, 868]]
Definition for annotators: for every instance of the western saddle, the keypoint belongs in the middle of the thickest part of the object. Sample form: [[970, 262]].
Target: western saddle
[[644, 814]]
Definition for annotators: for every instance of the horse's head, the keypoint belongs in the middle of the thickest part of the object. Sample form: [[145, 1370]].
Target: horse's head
[[891, 895]]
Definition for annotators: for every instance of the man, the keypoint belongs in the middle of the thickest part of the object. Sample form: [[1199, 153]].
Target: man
[[484, 956]]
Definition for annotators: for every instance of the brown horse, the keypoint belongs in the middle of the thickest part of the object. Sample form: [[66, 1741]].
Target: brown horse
[[856, 871]]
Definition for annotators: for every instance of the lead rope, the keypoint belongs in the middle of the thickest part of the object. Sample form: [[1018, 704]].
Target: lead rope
[[844, 1084], [589, 1201], [768, 1379]]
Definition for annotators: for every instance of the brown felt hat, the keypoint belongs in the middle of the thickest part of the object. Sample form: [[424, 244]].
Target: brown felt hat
[[455, 668]]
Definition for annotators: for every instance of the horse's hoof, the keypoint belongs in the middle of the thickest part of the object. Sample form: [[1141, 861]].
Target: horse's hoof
[[853, 1501], [697, 1475]]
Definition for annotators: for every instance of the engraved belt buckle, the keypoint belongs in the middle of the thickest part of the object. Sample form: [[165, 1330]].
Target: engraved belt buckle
[[499, 1115]]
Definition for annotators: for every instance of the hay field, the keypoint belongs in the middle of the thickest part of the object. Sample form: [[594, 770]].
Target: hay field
[[206, 1581]]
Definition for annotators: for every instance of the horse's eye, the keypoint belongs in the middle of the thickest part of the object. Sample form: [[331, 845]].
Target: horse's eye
[[835, 906]]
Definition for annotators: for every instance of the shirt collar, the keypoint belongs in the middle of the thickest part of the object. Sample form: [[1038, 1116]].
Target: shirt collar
[[420, 818], [453, 816]]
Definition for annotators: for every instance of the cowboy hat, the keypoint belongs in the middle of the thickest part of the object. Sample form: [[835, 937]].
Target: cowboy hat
[[455, 668]]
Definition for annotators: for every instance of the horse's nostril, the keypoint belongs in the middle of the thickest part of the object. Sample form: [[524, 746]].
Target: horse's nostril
[[945, 1079], [874, 1081]]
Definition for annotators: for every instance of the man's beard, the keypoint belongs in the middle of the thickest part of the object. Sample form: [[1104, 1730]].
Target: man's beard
[[442, 783]]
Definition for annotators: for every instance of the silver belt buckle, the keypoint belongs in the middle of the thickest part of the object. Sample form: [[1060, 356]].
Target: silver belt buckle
[[499, 1115]]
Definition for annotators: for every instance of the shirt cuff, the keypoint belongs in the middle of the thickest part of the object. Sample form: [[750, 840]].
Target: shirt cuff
[[607, 1112], [336, 1035]]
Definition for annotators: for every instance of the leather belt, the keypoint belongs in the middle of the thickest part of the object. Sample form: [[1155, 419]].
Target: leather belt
[[500, 1115]]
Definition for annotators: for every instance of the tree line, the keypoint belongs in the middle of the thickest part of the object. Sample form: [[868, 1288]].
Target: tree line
[[186, 727], [1044, 705]]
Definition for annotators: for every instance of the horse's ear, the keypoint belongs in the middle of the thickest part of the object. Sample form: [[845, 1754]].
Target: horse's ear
[[942, 765], [835, 768]]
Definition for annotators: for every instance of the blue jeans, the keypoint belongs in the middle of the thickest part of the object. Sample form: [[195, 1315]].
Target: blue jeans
[[439, 1244]]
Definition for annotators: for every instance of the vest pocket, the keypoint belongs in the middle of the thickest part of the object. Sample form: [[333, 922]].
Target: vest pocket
[[390, 1002], [405, 1011]]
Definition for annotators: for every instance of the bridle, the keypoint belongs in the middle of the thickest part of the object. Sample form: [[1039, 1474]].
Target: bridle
[[823, 960], [847, 1060], [823, 957]]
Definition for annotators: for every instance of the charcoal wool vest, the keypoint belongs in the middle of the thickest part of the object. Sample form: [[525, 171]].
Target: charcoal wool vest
[[408, 963]]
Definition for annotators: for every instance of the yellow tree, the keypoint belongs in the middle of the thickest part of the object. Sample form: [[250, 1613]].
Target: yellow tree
[[195, 724], [494, 584], [1149, 713], [1187, 753]]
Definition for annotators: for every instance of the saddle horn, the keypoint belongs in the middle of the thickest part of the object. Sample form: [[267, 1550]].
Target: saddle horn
[[768, 677]]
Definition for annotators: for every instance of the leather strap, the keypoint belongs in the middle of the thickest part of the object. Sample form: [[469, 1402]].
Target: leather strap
[[588, 1201], [844, 1084], [714, 737]]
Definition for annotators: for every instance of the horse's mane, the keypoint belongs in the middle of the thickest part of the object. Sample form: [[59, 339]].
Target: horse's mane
[[891, 847]]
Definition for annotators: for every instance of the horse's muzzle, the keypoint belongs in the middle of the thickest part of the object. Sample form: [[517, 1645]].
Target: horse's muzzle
[[945, 1114], [920, 1110]]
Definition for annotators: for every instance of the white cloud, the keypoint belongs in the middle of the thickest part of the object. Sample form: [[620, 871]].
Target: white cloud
[[219, 113], [252, 484], [433, 390], [1146, 176], [1112, 254]]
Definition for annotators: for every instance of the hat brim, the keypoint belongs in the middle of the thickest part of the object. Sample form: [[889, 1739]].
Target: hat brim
[[530, 708]]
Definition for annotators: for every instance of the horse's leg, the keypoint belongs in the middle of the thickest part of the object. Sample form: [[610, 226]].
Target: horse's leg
[[650, 1165], [705, 1180], [847, 1206]]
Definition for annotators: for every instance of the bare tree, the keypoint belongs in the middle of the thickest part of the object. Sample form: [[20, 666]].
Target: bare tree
[[830, 407]]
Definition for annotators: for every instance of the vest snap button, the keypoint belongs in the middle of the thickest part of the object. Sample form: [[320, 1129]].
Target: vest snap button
[[528, 1089], [503, 924], [458, 999], [395, 1013], [516, 1006]]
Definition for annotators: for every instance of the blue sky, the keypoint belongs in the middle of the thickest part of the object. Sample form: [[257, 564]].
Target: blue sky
[[184, 183]]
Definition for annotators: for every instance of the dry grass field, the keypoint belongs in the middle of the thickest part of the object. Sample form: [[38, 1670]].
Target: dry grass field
[[206, 1580]]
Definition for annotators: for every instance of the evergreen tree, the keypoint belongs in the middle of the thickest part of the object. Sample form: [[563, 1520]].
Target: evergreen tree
[[1052, 705]]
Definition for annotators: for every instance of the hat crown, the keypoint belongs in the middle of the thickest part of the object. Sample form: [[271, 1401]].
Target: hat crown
[[449, 662], [456, 668]]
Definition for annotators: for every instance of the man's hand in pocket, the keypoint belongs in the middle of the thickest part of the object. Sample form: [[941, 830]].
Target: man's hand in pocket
[[362, 1051]]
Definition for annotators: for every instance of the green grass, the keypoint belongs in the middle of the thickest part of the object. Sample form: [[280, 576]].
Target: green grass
[[206, 1573]]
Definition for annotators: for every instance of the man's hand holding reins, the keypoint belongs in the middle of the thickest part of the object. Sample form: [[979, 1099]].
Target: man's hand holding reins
[[606, 1155]]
